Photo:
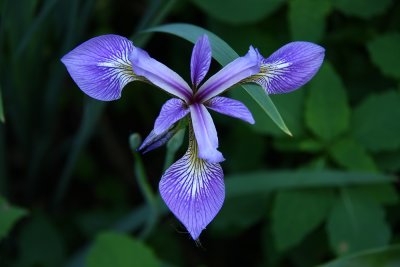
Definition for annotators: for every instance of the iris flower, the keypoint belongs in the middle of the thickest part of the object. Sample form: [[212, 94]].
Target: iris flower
[[192, 187]]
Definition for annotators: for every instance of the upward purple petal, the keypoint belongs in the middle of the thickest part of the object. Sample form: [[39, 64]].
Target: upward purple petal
[[172, 111], [100, 66], [205, 133], [230, 107], [159, 74], [193, 190], [230, 75], [290, 67], [201, 60]]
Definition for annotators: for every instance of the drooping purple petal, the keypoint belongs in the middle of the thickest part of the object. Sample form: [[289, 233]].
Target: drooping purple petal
[[201, 60], [230, 107], [193, 190], [205, 133], [230, 75], [154, 140], [101, 66], [172, 111], [289, 68], [159, 74]]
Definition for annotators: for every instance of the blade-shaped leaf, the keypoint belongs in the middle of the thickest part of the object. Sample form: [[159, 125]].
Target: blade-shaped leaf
[[1, 108], [266, 181], [224, 54]]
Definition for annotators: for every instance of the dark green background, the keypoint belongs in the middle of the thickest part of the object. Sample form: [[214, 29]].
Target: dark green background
[[69, 193]]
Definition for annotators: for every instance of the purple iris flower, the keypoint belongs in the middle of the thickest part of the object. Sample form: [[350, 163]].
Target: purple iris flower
[[192, 187]]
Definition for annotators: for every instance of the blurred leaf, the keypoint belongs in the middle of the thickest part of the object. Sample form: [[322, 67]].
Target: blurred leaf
[[351, 155], [296, 213], [388, 161], [375, 121], [267, 181], [356, 223], [307, 19], [291, 106], [380, 193], [327, 110], [362, 8], [119, 250], [239, 213], [238, 11], [41, 244], [224, 54], [2, 119], [384, 51], [9, 215], [381, 257]]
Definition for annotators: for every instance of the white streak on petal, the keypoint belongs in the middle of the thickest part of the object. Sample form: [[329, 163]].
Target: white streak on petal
[[100, 66]]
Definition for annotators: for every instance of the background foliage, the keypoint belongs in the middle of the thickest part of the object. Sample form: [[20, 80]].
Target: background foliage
[[71, 186]]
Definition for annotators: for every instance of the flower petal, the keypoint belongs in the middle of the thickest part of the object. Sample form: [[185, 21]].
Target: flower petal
[[230, 107], [205, 133], [100, 66], [201, 60], [154, 140], [231, 74], [172, 111], [289, 68], [193, 190], [159, 74]]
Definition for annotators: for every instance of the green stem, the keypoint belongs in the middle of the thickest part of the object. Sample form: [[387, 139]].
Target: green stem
[[148, 195]]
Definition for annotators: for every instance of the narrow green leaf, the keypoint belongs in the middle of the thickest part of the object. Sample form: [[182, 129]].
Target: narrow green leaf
[[356, 223], [384, 53], [381, 257], [2, 119], [238, 11], [307, 19], [224, 54], [362, 8], [267, 181], [375, 121], [9, 215], [351, 155], [327, 110], [119, 250], [307, 208]]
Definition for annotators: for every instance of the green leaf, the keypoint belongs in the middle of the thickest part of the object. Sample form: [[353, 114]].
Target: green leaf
[[351, 155], [9, 215], [375, 121], [385, 194], [40, 244], [2, 119], [238, 11], [119, 250], [381, 257], [224, 54], [239, 213], [384, 53], [307, 19], [296, 213], [327, 110], [356, 223], [267, 181], [362, 8]]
